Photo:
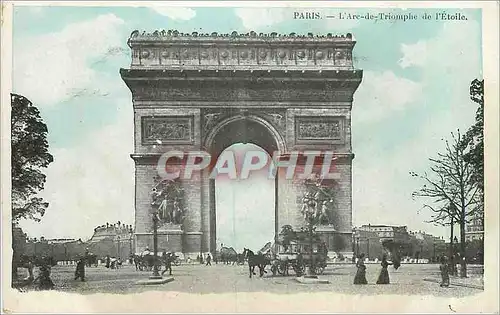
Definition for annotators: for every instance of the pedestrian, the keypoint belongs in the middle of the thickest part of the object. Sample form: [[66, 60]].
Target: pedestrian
[[80, 269], [383, 277], [108, 261], [360, 277], [453, 266], [209, 258], [396, 261], [445, 272], [167, 260]]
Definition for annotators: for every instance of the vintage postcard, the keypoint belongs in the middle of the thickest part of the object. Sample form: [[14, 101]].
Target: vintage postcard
[[267, 157]]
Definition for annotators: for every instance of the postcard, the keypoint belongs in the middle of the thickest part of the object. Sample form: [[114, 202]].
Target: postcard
[[200, 157]]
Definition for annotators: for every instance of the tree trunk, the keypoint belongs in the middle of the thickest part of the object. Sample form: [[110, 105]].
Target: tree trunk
[[463, 263]]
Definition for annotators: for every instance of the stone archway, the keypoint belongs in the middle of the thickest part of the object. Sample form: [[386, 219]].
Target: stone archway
[[208, 91], [240, 127]]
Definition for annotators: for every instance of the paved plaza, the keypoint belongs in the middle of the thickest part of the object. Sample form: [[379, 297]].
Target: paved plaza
[[409, 279]]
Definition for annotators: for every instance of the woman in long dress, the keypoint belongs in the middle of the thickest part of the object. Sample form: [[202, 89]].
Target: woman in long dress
[[383, 277], [445, 272], [360, 277]]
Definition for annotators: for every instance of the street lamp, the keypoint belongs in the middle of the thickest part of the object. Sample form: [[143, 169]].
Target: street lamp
[[368, 247], [310, 218], [357, 244], [353, 242], [118, 249], [130, 244], [156, 272]]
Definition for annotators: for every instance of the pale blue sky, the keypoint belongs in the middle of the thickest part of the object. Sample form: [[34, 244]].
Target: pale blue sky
[[414, 92]]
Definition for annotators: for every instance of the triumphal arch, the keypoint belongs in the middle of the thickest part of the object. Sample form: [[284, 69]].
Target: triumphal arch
[[208, 91]]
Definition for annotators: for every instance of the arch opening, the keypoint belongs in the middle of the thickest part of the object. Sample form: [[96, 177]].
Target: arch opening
[[244, 129], [243, 211]]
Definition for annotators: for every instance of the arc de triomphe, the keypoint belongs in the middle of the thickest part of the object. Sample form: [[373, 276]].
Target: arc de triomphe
[[209, 91]]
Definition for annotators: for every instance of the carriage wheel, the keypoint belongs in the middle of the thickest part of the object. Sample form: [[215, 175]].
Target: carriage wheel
[[282, 269], [299, 269], [319, 270]]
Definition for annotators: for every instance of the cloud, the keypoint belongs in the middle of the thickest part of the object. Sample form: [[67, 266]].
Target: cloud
[[90, 184], [413, 54], [382, 93], [50, 67], [446, 64], [259, 18], [453, 56], [176, 13], [382, 185]]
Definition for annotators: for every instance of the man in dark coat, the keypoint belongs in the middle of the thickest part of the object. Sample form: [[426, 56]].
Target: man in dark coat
[[80, 269], [44, 281], [108, 261], [167, 260]]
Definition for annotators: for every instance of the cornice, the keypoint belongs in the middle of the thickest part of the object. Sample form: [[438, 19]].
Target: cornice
[[250, 73]]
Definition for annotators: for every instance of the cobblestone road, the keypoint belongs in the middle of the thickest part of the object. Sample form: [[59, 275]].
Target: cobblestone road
[[409, 279]]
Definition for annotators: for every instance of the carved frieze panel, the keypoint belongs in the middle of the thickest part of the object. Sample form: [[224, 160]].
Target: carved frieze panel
[[319, 129], [241, 55], [189, 56], [172, 47], [167, 130], [264, 56]]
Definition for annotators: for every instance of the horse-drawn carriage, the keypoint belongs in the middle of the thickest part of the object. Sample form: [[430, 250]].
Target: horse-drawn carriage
[[297, 255]]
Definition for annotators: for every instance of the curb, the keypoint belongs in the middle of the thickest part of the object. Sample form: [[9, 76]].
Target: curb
[[155, 281]]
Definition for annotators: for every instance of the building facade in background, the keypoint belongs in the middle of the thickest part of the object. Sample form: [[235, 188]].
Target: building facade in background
[[475, 228], [376, 240], [115, 240]]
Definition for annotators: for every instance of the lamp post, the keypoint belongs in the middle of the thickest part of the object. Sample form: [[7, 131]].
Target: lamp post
[[310, 218], [130, 244], [353, 242], [118, 249], [357, 245], [156, 273]]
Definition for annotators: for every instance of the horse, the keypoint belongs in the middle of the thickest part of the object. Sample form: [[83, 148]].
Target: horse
[[228, 255], [137, 262], [254, 260]]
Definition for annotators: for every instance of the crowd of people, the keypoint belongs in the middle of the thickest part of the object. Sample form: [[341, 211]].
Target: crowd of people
[[43, 280]]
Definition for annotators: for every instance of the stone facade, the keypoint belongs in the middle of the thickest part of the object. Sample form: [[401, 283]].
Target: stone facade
[[209, 91]]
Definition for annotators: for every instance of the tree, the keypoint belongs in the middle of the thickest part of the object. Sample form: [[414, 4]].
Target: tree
[[29, 156], [473, 140], [455, 196]]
